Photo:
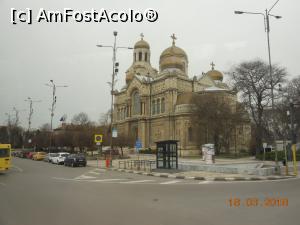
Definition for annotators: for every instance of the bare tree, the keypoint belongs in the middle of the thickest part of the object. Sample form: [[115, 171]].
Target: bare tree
[[293, 88], [124, 140], [104, 119], [81, 119], [253, 81], [45, 127], [216, 118]]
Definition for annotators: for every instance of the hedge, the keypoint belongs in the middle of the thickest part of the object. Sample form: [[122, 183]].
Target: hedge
[[280, 155], [147, 151]]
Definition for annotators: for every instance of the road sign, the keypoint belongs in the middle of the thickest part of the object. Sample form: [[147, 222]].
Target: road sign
[[98, 138], [114, 133], [138, 144], [265, 145]]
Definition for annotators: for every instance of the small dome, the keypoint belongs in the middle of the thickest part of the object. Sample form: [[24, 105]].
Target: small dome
[[142, 44], [186, 98], [215, 74]]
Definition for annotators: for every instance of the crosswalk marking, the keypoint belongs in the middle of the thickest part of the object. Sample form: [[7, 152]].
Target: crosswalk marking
[[100, 170], [84, 177], [205, 182], [171, 182], [86, 180], [93, 172], [136, 181], [105, 180]]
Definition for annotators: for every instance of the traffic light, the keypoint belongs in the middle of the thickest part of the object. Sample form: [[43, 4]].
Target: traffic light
[[116, 67]]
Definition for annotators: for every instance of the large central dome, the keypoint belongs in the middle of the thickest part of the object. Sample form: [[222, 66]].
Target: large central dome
[[173, 58]]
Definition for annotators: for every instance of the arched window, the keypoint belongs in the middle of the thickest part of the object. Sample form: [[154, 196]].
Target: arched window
[[162, 105], [153, 107], [134, 57], [140, 56], [146, 56], [136, 103], [158, 106]]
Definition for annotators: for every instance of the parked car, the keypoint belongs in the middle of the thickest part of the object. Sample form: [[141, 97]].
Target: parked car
[[48, 157], [21, 154], [52, 156], [39, 156], [30, 155], [75, 160], [59, 158]]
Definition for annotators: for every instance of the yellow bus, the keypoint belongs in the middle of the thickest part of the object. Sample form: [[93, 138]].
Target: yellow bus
[[5, 157]]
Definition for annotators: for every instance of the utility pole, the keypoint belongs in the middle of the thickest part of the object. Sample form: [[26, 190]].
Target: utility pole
[[31, 101], [266, 16], [53, 106], [114, 72], [8, 127], [293, 134], [15, 125]]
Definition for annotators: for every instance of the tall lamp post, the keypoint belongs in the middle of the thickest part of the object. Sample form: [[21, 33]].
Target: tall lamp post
[[266, 16], [31, 101], [114, 72], [53, 105], [8, 127]]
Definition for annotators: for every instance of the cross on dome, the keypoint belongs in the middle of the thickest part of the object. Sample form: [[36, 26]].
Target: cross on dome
[[142, 36], [212, 66], [174, 38]]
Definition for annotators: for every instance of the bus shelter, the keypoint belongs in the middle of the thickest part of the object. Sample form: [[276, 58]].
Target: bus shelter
[[167, 154]]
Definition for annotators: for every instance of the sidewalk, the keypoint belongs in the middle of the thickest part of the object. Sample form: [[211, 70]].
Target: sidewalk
[[196, 175]]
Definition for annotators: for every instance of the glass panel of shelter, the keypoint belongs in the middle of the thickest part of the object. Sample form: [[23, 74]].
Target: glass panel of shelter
[[161, 157]]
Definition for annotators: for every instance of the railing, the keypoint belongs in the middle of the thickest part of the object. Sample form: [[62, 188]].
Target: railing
[[137, 164]]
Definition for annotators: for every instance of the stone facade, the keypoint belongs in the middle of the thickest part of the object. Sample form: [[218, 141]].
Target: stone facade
[[154, 105]]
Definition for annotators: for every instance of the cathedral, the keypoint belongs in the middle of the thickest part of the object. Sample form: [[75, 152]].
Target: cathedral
[[155, 105]]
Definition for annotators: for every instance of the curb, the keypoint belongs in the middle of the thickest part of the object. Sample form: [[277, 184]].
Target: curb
[[164, 175]]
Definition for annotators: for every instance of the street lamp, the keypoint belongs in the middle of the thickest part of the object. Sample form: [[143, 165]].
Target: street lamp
[[8, 127], [115, 70], [266, 16], [52, 109], [31, 101]]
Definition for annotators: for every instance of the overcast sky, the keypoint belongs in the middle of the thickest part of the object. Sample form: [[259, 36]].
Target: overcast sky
[[208, 30]]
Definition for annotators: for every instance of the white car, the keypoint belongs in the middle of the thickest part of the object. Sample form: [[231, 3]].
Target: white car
[[59, 158], [49, 157]]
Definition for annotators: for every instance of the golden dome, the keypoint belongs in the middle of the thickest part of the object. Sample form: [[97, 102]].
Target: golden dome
[[141, 43], [172, 62], [173, 57], [215, 74]]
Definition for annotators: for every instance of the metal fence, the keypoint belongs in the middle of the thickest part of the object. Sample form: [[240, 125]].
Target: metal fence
[[146, 165]]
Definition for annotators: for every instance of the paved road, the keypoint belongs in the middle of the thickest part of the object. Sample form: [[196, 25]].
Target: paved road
[[38, 193]]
